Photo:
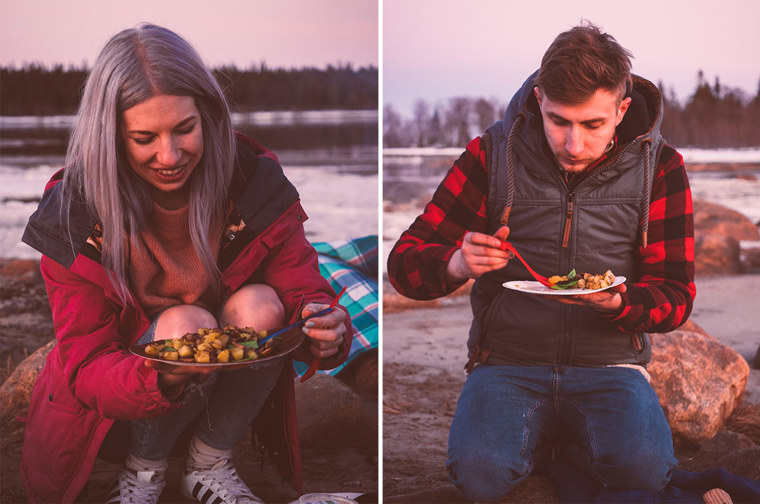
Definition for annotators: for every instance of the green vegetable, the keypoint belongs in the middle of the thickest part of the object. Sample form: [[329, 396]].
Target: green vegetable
[[571, 281]]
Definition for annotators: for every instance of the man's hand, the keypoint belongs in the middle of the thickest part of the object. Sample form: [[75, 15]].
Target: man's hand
[[607, 301], [325, 332], [480, 253]]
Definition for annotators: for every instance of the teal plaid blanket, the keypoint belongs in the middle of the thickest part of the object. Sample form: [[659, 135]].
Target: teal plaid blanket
[[353, 264]]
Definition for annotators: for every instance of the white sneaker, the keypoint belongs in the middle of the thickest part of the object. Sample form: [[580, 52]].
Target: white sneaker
[[220, 484], [141, 487]]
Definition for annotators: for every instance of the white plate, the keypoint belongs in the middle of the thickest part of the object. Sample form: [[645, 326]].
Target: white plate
[[533, 287]]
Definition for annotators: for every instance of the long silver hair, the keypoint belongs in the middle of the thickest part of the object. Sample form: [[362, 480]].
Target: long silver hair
[[135, 65]]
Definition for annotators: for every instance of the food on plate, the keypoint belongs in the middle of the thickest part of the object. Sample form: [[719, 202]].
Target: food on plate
[[207, 346], [586, 281]]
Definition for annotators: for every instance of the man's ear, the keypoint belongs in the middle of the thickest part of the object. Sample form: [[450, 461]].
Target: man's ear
[[537, 93], [622, 109]]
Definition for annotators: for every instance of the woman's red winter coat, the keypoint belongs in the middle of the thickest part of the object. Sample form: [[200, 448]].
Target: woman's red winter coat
[[90, 379]]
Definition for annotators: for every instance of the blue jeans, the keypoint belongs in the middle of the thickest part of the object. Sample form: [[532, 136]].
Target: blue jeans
[[608, 421], [224, 404]]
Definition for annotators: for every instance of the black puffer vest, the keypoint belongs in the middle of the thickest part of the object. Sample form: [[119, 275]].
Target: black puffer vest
[[593, 225]]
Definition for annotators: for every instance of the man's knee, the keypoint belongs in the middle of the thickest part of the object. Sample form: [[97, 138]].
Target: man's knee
[[485, 475], [650, 470]]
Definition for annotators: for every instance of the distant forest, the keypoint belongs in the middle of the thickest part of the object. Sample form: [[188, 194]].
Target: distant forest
[[714, 116], [40, 90]]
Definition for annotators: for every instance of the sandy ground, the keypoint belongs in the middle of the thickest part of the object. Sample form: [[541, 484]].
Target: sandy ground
[[424, 354]]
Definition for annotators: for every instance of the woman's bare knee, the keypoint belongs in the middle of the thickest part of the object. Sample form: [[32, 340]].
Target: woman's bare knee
[[255, 305], [178, 320]]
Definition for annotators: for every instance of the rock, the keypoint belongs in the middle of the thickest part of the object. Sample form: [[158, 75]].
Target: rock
[[692, 326], [716, 255], [747, 176], [699, 382], [361, 374], [331, 414], [746, 420], [20, 269], [756, 360], [714, 219], [724, 443], [16, 390], [751, 259], [744, 462], [25, 315]]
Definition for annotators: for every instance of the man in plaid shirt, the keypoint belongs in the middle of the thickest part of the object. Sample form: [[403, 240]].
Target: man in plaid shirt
[[576, 175]]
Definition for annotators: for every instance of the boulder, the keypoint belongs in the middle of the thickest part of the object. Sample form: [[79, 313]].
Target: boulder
[[744, 462], [714, 219], [361, 374], [331, 414], [699, 382], [692, 326], [724, 443], [746, 420], [751, 259], [16, 390], [716, 255]]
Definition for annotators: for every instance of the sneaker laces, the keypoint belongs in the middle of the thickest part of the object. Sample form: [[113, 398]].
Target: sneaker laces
[[141, 487], [220, 482]]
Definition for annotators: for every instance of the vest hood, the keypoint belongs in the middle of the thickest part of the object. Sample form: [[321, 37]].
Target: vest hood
[[642, 120], [593, 223]]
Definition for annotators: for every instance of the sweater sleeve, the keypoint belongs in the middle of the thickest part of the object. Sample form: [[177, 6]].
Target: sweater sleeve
[[417, 264], [662, 298]]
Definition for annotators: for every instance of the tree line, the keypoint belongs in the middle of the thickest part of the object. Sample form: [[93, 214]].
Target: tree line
[[714, 116], [36, 89]]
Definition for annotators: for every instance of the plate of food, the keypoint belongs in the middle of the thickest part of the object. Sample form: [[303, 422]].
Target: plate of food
[[221, 347], [572, 284]]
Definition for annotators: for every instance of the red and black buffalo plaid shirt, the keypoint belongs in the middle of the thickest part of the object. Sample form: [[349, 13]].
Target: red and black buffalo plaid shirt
[[661, 299]]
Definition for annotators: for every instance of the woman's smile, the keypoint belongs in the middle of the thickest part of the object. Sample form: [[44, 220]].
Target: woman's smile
[[163, 137]]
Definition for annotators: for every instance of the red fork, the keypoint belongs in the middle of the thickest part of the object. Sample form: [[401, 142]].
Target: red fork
[[540, 278]]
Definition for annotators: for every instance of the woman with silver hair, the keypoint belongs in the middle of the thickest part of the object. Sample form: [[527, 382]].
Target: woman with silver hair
[[165, 221]]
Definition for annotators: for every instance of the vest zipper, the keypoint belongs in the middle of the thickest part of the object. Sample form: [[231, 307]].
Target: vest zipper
[[568, 221]]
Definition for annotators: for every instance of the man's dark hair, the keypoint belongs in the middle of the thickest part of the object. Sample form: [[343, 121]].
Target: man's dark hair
[[582, 60]]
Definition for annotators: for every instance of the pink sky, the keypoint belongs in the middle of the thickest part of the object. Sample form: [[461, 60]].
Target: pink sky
[[435, 49], [432, 49], [281, 32]]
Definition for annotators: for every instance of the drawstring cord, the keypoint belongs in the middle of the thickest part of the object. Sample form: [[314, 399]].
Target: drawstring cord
[[646, 195], [510, 170]]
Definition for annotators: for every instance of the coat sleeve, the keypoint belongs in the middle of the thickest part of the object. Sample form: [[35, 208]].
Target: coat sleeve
[[291, 268], [417, 264], [91, 354], [662, 299]]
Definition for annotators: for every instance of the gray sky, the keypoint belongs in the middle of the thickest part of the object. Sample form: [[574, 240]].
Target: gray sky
[[435, 49], [284, 33]]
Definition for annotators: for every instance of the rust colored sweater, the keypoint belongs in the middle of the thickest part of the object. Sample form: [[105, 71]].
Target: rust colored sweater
[[165, 270]]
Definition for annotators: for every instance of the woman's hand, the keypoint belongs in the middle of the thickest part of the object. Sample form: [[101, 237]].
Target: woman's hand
[[325, 332], [171, 379]]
